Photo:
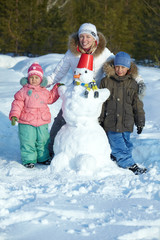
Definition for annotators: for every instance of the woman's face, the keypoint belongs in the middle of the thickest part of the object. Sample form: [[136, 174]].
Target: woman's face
[[86, 40]]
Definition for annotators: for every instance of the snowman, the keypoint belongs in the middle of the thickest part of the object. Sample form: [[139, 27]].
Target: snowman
[[81, 144], [84, 76]]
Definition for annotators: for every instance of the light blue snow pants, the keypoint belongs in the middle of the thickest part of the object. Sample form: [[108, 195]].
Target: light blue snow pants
[[121, 147], [33, 143]]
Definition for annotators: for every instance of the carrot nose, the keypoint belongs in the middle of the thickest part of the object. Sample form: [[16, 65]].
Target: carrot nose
[[77, 76]]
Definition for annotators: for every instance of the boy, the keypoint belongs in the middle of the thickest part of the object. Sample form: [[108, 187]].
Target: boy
[[122, 110]]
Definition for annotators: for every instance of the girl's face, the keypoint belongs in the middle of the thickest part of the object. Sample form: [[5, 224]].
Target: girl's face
[[86, 40], [121, 71], [34, 80]]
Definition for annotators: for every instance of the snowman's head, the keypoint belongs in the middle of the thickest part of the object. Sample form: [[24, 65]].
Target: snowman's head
[[83, 75], [84, 71]]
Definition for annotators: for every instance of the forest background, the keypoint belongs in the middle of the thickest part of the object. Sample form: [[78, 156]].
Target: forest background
[[38, 27]]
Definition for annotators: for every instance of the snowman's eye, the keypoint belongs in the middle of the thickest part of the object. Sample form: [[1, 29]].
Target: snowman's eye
[[74, 71], [86, 71]]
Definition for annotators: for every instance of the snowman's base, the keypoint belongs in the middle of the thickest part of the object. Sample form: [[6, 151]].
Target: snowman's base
[[83, 164]]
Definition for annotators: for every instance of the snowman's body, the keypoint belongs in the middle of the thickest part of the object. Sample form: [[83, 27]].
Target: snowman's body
[[81, 143]]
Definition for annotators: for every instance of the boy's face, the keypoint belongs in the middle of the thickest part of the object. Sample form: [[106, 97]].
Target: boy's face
[[121, 71], [34, 80]]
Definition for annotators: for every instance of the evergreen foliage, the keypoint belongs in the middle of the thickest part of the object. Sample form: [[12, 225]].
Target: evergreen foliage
[[43, 26]]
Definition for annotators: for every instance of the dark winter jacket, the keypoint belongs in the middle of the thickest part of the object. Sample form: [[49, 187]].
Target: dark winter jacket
[[123, 109]]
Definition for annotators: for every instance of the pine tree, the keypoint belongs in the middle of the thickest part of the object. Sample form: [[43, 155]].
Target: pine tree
[[43, 26], [148, 46]]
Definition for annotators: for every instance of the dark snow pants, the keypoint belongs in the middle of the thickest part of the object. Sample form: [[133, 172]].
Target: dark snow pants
[[57, 124]]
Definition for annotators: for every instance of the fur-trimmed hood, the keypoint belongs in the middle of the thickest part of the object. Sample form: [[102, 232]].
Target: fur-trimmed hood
[[24, 81], [109, 69], [74, 41]]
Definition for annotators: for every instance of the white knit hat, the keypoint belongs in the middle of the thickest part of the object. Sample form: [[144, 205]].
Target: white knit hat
[[90, 29]]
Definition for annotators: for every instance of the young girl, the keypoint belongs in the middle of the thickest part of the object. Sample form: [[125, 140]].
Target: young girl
[[122, 110], [30, 109]]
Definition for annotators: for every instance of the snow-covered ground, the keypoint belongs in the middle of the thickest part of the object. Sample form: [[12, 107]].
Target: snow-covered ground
[[36, 204]]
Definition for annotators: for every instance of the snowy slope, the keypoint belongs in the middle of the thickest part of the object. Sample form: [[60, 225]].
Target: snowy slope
[[114, 205]]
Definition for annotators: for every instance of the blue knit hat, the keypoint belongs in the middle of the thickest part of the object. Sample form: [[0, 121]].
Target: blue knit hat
[[122, 59]]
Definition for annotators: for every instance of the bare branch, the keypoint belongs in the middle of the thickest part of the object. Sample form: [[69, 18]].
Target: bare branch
[[64, 4], [151, 7], [52, 3], [9, 28]]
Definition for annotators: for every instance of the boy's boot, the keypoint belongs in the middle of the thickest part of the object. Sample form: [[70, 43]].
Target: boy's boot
[[137, 170], [113, 158]]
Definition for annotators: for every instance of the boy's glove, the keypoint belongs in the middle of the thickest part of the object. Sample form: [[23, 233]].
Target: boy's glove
[[60, 84], [100, 122], [141, 88], [139, 129], [14, 120]]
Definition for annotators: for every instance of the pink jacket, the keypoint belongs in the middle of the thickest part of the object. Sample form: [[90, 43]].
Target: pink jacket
[[30, 104]]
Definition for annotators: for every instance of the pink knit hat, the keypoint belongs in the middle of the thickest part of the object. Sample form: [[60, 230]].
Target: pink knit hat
[[35, 69]]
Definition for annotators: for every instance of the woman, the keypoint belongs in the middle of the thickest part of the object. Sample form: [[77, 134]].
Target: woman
[[86, 40]]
